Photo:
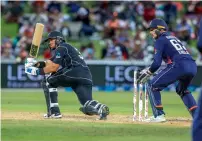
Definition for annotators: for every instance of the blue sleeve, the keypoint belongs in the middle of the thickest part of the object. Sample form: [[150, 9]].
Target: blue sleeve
[[159, 46], [59, 55], [199, 45]]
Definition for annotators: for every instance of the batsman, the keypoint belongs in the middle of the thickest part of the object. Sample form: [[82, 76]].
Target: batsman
[[66, 68], [181, 68]]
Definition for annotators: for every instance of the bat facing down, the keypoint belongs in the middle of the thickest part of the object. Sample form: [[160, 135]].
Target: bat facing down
[[36, 41]]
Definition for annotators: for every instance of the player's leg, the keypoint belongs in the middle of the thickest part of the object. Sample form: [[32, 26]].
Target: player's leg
[[155, 101], [80, 79], [170, 75], [158, 83], [187, 73], [90, 106], [186, 95], [166, 77], [197, 122], [55, 110], [83, 92], [51, 96]]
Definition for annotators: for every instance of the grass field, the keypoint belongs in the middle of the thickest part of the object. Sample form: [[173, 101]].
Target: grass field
[[22, 119]]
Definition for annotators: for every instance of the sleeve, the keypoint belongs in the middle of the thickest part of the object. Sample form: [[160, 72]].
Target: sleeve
[[199, 44], [59, 55], [159, 46]]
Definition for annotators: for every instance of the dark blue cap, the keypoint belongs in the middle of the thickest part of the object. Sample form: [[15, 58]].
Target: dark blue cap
[[158, 23]]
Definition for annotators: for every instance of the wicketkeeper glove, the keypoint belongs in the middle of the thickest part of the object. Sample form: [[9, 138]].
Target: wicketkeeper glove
[[144, 76], [32, 70]]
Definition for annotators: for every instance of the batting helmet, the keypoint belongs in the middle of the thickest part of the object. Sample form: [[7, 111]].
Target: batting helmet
[[158, 24], [55, 35]]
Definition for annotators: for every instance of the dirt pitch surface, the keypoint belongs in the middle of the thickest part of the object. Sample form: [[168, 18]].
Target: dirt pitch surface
[[120, 119]]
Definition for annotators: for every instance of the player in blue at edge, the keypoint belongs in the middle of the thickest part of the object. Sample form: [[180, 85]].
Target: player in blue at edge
[[181, 68], [197, 122]]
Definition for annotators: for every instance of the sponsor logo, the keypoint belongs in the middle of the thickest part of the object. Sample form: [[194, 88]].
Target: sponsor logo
[[58, 55]]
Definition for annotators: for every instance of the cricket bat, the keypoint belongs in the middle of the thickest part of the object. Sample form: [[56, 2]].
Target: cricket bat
[[36, 41]]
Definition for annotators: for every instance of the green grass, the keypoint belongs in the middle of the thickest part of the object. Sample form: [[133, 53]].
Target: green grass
[[78, 131], [120, 103]]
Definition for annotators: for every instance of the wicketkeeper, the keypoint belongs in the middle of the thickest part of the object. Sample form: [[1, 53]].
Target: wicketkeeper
[[181, 68], [65, 68]]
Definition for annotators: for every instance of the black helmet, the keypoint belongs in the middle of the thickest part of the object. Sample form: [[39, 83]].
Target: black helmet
[[158, 24], [55, 35]]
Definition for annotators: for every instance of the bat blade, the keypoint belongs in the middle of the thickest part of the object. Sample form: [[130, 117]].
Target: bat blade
[[36, 41]]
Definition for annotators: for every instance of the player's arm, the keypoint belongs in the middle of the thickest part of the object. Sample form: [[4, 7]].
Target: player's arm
[[146, 73], [53, 66], [42, 68], [46, 67], [159, 45], [50, 67]]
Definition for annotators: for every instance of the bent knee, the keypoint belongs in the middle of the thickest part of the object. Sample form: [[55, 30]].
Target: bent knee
[[181, 92]]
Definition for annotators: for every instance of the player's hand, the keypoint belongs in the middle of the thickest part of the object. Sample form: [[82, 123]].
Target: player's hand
[[30, 62], [144, 76], [32, 70]]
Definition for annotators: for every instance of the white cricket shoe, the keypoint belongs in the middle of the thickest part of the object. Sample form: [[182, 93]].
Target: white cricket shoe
[[55, 116], [160, 118]]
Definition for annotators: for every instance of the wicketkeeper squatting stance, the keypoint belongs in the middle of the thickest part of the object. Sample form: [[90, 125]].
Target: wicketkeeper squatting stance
[[181, 68], [66, 68]]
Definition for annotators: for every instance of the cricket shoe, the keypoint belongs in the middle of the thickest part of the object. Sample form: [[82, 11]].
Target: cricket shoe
[[160, 118], [55, 116]]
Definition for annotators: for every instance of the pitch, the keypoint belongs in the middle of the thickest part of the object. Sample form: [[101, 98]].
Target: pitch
[[22, 113]]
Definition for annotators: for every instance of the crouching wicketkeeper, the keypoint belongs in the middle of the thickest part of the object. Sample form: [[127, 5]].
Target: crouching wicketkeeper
[[66, 68]]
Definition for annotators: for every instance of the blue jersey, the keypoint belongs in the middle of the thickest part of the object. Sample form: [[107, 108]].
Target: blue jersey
[[168, 48]]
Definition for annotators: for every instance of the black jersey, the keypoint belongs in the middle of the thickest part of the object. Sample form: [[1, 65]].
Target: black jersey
[[67, 56]]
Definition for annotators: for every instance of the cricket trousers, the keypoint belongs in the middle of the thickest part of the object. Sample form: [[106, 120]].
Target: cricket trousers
[[181, 72], [78, 78]]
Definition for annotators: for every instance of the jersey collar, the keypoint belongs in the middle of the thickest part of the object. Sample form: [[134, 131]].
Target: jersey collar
[[164, 33]]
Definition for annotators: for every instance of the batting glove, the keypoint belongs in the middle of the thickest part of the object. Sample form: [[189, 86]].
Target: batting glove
[[32, 70], [144, 76], [30, 62]]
